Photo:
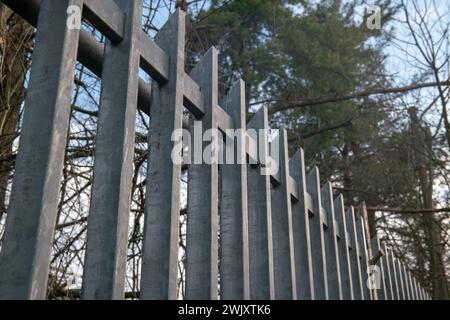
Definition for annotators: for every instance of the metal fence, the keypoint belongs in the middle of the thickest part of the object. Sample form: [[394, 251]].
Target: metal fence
[[281, 236]]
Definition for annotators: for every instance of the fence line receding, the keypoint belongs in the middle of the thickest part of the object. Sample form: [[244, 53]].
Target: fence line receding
[[282, 236]]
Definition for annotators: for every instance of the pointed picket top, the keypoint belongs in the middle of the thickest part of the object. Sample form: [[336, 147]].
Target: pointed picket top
[[313, 185], [234, 259], [32, 214], [207, 66], [313, 178], [173, 24], [260, 121], [389, 273], [235, 96], [283, 244], [326, 193], [259, 117], [297, 167], [365, 248]]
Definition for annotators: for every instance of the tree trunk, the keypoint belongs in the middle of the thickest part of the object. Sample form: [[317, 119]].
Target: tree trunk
[[433, 237]]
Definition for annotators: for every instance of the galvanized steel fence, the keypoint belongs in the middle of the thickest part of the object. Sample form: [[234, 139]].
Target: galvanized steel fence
[[281, 236]]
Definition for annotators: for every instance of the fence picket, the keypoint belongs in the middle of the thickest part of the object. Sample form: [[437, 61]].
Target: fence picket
[[260, 216], [357, 279], [388, 273], [344, 249], [202, 202], [234, 255], [382, 293], [301, 232], [363, 255], [27, 245], [283, 254], [107, 233], [316, 227], [162, 207], [331, 243], [400, 273]]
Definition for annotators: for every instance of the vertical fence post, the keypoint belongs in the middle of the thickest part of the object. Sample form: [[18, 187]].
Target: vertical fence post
[[363, 254], [419, 296], [260, 215], [368, 253], [162, 207], [283, 254], [416, 288], [417, 284], [316, 228], [25, 255], [202, 203], [411, 286], [344, 249], [107, 233], [382, 293], [424, 293], [400, 273], [388, 278], [331, 243], [234, 261], [396, 277], [358, 283], [301, 233], [406, 282]]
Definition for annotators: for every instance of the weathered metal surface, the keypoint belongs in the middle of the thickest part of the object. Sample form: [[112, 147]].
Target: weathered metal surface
[[300, 226], [25, 255], [107, 233], [162, 208], [234, 254], [283, 242], [363, 254], [108, 17], [331, 243], [260, 217], [344, 249], [202, 200], [316, 226], [355, 254]]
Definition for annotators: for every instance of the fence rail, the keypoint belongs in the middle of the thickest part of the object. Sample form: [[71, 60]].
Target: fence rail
[[281, 236]]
